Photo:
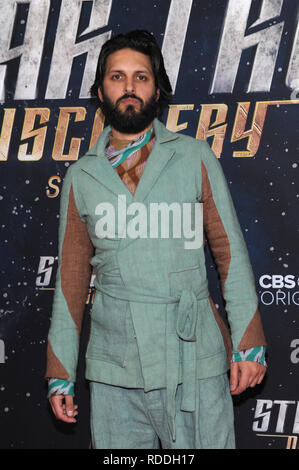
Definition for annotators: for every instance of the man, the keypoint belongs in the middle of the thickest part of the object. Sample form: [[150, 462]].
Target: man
[[158, 350]]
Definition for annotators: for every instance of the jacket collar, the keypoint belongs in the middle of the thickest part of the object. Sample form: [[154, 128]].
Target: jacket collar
[[162, 135], [101, 169]]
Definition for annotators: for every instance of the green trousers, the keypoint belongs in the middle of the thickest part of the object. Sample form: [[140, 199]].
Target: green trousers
[[125, 418]]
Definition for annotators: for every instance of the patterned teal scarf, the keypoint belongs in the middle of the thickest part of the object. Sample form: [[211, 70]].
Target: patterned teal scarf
[[116, 157]]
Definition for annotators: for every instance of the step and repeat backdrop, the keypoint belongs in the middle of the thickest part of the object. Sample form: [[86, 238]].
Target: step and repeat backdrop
[[234, 68]]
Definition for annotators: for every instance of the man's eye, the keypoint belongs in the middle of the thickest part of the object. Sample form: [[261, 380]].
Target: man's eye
[[116, 76], [141, 77]]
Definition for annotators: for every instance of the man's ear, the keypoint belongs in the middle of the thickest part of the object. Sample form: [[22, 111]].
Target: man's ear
[[157, 94], [100, 94]]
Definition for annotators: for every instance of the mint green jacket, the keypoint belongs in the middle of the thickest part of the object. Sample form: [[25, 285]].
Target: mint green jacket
[[153, 322]]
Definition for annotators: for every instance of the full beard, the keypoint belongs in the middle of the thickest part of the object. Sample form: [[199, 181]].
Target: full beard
[[130, 121]]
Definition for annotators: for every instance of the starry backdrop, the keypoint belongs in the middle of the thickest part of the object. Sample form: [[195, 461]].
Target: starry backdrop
[[264, 189]]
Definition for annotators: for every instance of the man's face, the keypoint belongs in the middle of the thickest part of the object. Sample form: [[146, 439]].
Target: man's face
[[129, 95]]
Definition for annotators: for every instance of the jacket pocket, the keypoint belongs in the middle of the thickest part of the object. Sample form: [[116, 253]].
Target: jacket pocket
[[209, 338], [185, 278], [108, 335]]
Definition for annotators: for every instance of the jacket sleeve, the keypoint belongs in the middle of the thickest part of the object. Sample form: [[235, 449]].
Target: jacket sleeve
[[230, 253], [72, 283]]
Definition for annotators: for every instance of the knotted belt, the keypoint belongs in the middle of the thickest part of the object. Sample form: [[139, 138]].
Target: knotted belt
[[189, 305]]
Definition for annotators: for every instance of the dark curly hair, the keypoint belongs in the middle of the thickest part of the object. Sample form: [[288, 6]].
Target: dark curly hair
[[142, 41]]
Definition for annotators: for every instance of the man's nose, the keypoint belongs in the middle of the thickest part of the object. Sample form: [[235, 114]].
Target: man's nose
[[129, 85]]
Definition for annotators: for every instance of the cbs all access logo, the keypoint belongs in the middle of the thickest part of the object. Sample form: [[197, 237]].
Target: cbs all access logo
[[279, 289]]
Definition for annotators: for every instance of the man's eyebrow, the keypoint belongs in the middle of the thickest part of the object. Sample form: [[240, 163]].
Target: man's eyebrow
[[122, 71]]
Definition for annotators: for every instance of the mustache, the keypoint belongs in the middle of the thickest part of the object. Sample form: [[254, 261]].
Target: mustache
[[128, 95]]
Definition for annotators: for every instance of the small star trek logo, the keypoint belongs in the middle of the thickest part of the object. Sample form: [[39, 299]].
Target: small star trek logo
[[277, 419]]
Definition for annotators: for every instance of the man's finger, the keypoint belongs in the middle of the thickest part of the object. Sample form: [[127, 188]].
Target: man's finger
[[241, 377], [234, 376], [69, 405], [59, 407], [249, 375], [258, 375], [244, 379]]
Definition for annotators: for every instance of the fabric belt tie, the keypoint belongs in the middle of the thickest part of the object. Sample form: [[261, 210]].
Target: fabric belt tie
[[186, 325]]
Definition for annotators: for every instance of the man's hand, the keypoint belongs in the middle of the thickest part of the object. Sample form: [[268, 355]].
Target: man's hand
[[64, 411], [245, 374]]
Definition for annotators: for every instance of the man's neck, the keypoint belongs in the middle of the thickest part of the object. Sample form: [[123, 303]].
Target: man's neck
[[122, 136]]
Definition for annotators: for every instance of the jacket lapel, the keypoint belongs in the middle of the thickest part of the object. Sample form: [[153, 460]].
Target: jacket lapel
[[157, 160], [101, 169]]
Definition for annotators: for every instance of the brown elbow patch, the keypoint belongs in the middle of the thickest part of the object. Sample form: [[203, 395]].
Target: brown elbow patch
[[214, 229], [54, 366], [254, 334], [77, 250]]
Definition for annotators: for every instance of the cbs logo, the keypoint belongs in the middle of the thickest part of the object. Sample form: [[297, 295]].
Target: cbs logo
[[277, 281]]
